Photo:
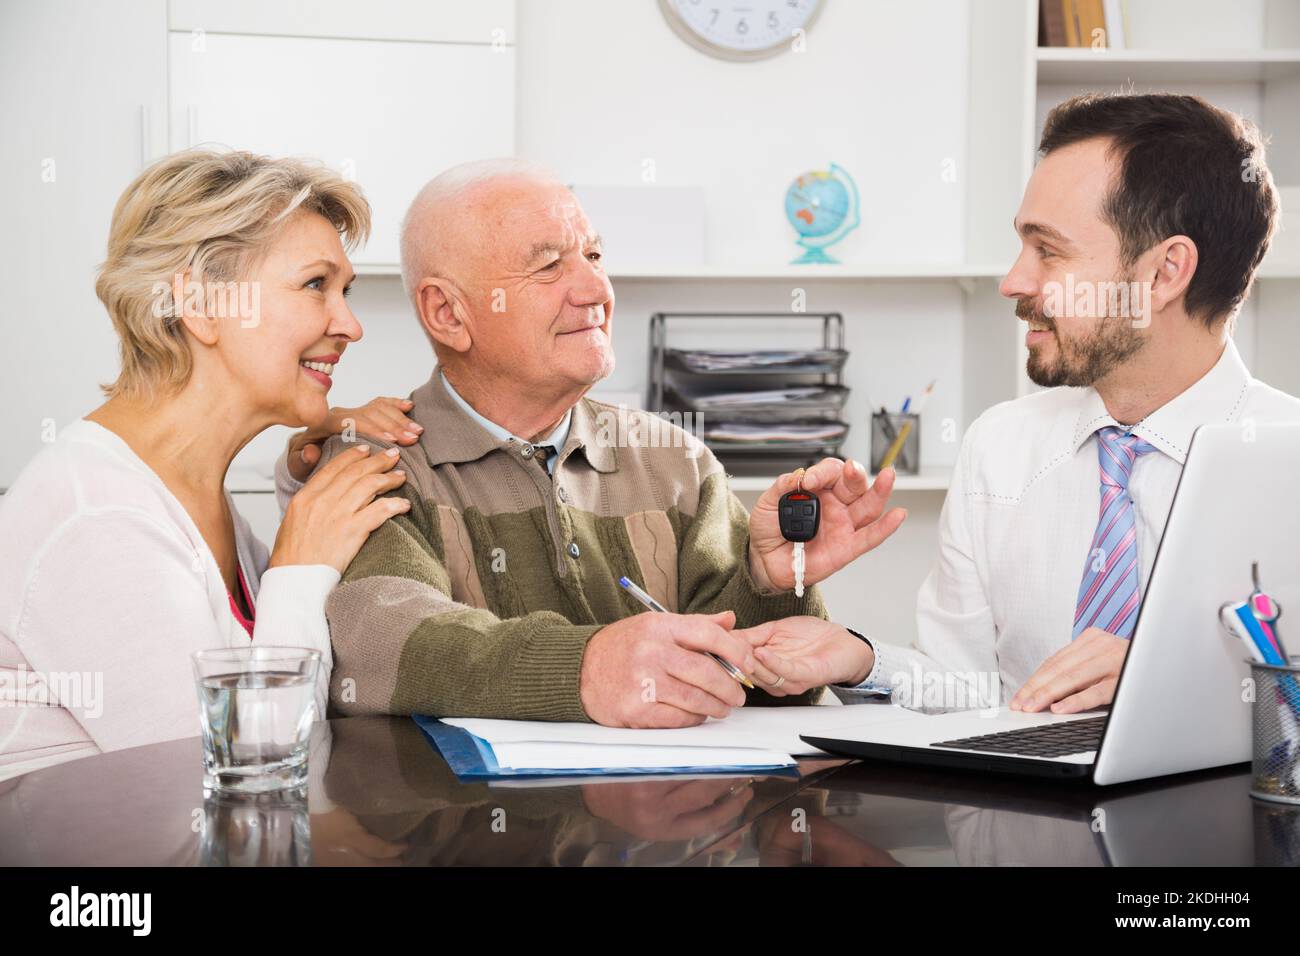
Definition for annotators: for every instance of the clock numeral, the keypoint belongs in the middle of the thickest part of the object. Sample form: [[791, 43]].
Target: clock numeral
[[751, 30]]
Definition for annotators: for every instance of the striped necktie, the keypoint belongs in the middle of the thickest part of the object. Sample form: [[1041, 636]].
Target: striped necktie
[[1108, 593], [541, 454]]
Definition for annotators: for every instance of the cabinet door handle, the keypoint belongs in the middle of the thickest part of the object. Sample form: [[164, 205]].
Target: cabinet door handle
[[146, 139], [191, 124]]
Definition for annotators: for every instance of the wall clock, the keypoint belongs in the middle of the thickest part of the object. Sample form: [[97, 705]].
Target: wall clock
[[743, 30]]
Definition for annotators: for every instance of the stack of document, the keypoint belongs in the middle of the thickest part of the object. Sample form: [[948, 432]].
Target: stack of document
[[795, 361], [815, 396], [752, 739], [796, 432]]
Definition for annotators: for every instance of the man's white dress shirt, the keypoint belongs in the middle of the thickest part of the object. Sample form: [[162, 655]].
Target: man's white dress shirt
[[1017, 526]]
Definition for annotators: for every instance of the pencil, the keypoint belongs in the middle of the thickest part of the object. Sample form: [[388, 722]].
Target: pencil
[[896, 447], [904, 431]]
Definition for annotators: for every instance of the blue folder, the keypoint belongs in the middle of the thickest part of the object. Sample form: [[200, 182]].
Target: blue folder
[[471, 758]]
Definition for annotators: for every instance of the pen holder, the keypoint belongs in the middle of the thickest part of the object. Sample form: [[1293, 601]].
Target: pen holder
[[1275, 725], [885, 429]]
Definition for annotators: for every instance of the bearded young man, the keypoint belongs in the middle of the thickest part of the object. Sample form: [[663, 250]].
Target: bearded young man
[[1141, 231]]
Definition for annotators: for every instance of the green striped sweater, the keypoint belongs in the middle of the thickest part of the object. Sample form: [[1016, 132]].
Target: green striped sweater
[[480, 600]]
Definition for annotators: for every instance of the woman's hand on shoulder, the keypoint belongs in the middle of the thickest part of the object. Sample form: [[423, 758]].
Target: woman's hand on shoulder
[[382, 417], [329, 520]]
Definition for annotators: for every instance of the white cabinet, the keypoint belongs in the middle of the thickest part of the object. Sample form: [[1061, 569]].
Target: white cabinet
[[261, 512], [83, 95], [390, 114], [444, 21]]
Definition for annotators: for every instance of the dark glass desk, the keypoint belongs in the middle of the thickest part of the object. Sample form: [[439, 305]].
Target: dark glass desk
[[876, 814], [382, 796]]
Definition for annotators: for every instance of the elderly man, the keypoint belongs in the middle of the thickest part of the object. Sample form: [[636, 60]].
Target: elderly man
[[498, 593]]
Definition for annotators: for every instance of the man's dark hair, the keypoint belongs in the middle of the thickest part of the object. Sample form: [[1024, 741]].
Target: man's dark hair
[[1186, 168]]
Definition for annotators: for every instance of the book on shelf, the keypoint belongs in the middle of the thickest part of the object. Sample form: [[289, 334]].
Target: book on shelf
[[1098, 24], [1051, 23], [1091, 20]]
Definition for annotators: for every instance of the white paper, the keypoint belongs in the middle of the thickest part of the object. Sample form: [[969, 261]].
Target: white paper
[[760, 728], [556, 755]]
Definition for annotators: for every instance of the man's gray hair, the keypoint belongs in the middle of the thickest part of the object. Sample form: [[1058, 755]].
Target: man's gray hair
[[418, 240]]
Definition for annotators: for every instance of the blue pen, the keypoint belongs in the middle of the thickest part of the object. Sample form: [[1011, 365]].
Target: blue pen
[[654, 605], [907, 403], [1287, 688]]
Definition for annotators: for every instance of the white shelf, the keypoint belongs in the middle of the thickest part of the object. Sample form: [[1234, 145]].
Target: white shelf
[[846, 271], [246, 480], [839, 272], [1088, 66], [930, 479]]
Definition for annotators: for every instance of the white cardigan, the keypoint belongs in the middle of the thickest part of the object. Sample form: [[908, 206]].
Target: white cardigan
[[106, 589]]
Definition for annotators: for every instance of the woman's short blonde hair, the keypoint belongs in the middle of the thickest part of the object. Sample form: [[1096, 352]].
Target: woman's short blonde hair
[[212, 215]]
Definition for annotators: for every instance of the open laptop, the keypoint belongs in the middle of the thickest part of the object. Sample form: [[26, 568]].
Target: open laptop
[[1179, 702]]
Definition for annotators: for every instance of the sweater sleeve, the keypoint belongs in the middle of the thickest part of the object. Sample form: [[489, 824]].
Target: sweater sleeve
[[713, 571], [103, 604], [286, 485], [402, 645]]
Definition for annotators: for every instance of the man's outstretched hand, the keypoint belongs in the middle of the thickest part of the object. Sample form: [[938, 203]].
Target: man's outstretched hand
[[853, 521], [808, 652]]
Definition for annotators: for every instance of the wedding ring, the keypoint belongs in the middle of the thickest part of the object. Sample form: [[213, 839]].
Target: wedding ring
[[779, 682]]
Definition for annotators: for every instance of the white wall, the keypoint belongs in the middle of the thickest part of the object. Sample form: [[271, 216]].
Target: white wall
[[880, 90], [59, 342]]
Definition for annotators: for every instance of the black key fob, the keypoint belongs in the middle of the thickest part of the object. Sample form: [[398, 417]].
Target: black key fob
[[799, 513]]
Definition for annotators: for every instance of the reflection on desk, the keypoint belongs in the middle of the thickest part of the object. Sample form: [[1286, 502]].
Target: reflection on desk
[[381, 796], [877, 814]]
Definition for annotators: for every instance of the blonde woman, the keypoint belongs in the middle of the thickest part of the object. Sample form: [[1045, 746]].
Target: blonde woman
[[122, 552]]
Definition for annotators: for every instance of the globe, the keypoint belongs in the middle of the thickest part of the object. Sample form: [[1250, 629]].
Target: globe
[[823, 208]]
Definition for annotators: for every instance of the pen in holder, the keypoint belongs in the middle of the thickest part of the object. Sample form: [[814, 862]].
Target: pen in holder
[[886, 429], [1275, 722]]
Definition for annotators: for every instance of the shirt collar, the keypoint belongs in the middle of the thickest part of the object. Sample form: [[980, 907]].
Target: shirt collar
[[436, 402], [555, 439], [1216, 397]]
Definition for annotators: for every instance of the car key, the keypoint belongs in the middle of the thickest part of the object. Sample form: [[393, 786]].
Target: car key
[[799, 515]]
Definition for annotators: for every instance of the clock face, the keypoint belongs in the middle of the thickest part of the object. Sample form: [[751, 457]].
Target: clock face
[[741, 29]]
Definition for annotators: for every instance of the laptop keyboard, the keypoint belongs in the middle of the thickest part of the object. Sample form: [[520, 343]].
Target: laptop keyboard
[[1049, 740]]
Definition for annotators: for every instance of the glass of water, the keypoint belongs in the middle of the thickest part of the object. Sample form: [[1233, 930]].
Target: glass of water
[[256, 707], [256, 829]]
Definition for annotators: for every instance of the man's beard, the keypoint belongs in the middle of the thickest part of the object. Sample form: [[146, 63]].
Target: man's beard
[[1082, 361]]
